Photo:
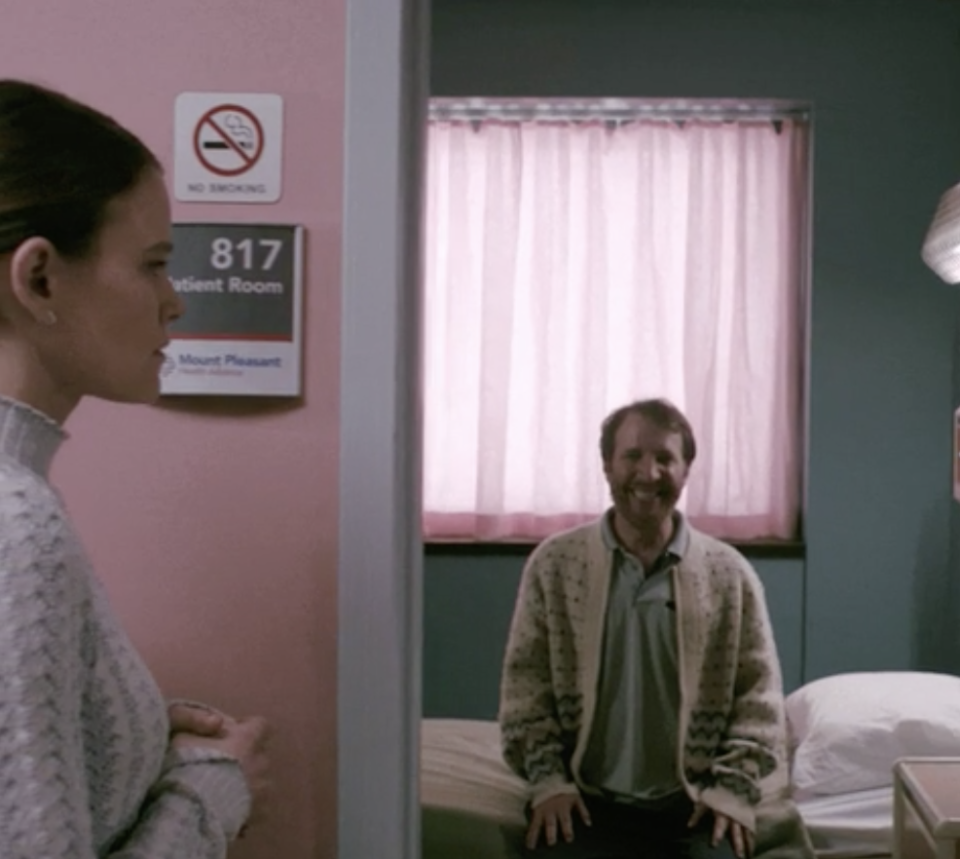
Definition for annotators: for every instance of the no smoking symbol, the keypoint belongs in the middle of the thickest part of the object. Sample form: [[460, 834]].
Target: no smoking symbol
[[228, 140]]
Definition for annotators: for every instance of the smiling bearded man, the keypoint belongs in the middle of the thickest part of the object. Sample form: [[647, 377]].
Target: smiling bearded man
[[641, 696]]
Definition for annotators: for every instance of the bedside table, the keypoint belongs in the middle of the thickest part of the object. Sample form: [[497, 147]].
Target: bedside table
[[926, 808]]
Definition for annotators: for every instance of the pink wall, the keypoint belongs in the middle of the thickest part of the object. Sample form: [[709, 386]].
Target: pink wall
[[214, 525]]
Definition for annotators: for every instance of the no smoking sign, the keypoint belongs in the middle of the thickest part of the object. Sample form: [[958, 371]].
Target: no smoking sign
[[228, 140], [228, 147]]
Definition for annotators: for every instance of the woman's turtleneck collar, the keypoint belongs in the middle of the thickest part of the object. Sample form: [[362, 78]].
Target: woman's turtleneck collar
[[28, 436]]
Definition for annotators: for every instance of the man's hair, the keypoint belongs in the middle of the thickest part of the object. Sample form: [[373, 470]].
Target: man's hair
[[660, 412]]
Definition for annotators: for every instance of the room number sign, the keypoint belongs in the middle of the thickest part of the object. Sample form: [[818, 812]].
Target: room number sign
[[241, 286]]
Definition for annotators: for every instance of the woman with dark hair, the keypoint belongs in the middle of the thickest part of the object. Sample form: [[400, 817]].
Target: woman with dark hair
[[92, 762]]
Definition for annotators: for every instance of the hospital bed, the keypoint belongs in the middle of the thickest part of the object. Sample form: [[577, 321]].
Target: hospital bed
[[845, 733]]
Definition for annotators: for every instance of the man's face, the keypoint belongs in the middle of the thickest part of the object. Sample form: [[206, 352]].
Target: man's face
[[646, 473]]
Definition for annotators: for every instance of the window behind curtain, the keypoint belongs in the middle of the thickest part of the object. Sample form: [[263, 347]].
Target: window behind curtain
[[574, 265]]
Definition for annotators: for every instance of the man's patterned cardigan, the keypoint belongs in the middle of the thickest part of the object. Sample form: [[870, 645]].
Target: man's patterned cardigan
[[731, 721]]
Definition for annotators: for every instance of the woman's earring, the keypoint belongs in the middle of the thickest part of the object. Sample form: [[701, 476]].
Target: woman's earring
[[50, 318]]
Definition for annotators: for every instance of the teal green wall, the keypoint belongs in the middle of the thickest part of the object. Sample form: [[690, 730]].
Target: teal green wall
[[884, 79]]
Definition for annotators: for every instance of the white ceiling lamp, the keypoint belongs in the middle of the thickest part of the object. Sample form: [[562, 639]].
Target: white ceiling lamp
[[941, 247]]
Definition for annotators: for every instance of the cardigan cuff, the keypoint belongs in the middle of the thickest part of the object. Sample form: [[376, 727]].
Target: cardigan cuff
[[550, 787]]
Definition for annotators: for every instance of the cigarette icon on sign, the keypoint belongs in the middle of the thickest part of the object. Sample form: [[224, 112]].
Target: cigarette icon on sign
[[228, 140], [243, 135]]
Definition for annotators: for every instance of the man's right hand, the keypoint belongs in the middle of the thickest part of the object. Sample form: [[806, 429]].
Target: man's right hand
[[557, 811]]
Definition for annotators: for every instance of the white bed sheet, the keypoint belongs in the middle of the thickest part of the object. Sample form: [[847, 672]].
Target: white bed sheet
[[471, 803], [467, 792], [850, 824], [462, 769]]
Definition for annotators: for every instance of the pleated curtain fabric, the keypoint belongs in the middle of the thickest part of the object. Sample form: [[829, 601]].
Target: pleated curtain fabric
[[572, 267]]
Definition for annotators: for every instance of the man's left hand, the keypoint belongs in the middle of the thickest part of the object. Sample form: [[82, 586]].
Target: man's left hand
[[740, 837]]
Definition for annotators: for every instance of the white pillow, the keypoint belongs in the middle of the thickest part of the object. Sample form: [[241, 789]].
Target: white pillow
[[847, 731]]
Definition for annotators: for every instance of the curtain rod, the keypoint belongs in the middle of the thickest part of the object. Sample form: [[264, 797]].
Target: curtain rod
[[520, 109]]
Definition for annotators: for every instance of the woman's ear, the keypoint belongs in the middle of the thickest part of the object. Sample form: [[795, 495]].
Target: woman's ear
[[31, 271]]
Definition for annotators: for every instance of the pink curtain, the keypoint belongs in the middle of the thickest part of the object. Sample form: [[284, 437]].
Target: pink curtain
[[572, 267]]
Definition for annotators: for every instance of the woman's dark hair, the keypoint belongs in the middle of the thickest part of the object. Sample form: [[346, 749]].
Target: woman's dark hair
[[61, 163], [661, 413]]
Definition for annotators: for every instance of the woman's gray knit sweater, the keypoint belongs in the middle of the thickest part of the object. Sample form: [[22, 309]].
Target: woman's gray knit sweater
[[85, 768]]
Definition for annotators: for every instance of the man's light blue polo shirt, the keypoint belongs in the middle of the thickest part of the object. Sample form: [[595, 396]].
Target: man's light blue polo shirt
[[632, 751]]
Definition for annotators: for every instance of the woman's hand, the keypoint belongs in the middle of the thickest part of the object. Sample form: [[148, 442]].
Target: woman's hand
[[187, 719], [246, 741]]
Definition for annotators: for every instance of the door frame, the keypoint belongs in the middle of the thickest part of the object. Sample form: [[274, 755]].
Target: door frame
[[380, 544]]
